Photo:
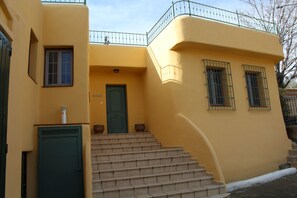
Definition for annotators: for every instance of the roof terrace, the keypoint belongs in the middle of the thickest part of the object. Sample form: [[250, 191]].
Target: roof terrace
[[178, 8]]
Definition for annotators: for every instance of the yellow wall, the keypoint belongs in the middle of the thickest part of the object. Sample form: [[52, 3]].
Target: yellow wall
[[99, 78], [165, 89], [242, 143], [219, 36], [88, 176], [17, 18], [29, 103], [67, 25], [131, 61], [117, 56]]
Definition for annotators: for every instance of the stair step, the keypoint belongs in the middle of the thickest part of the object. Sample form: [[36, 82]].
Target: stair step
[[293, 152], [140, 162], [136, 165], [294, 145], [138, 154], [180, 189], [146, 170], [121, 136], [122, 140], [226, 195], [292, 159], [148, 179], [181, 183], [122, 144], [294, 164], [144, 147], [172, 195]]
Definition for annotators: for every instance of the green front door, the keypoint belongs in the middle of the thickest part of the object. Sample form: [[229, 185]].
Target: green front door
[[60, 167], [5, 53], [116, 109]]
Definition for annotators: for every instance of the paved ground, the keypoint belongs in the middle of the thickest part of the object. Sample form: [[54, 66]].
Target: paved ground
[[285, 187]]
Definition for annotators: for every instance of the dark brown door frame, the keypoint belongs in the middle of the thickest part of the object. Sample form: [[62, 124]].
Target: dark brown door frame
[[5, 53]]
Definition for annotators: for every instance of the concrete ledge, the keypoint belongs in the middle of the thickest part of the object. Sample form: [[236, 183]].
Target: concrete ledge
[[260, 180]]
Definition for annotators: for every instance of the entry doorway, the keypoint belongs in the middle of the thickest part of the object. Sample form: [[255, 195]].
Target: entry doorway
[[116, 106]]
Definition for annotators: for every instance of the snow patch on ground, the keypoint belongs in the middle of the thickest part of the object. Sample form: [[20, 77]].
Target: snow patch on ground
[[260, 180]]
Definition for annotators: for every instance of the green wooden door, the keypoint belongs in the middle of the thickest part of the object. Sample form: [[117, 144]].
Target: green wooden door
[[5, 53], [60, 167], [116, 109]]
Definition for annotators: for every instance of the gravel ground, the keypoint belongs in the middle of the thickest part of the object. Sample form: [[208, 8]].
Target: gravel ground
[[285, 187]]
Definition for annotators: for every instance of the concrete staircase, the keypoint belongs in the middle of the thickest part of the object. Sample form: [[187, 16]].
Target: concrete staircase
[[292, 158], [136, 165]]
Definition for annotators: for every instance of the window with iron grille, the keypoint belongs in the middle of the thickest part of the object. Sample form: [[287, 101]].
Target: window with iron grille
[[58, 67], [257, 88], [219, 85]]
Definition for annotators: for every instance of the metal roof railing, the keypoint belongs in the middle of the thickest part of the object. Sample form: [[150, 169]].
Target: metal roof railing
[[117, 38], [65, 1], [178, 8], [194, 9]]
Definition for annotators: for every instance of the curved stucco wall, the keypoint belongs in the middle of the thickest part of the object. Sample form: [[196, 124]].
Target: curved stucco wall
[[245, 143], [191, 31]]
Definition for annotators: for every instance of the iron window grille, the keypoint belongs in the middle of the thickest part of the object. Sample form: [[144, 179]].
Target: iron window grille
[[219, 85], [58, 67], [257, 87]]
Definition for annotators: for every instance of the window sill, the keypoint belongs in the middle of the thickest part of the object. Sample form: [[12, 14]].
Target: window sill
[[57, 86]]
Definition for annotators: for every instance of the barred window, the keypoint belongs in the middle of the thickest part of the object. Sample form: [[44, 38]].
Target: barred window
[[219, 85], [257, 88]]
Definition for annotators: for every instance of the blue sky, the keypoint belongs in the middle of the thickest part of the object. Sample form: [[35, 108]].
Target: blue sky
[[139, 15]]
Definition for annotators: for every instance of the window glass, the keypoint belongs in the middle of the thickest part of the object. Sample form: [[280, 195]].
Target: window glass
[[219, 85], [215, 86], [59, 67], [257, 88]]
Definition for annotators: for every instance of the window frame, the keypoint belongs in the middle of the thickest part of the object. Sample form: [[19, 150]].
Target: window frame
[[257, 89], [5, 56], [220, 96], [59, 67]]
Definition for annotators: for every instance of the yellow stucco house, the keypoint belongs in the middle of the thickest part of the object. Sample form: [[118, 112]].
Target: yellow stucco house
[[199, 79]]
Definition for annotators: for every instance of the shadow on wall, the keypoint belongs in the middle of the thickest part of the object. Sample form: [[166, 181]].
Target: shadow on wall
[[167, 73], [177, 129]]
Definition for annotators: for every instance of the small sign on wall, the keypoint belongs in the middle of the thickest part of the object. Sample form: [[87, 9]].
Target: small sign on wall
[[97, 95]]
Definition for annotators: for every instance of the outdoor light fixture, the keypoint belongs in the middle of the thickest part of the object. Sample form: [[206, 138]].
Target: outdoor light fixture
[[116, 71]]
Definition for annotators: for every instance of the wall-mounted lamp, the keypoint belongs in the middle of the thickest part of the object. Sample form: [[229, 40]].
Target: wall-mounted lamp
[[116, 71]]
